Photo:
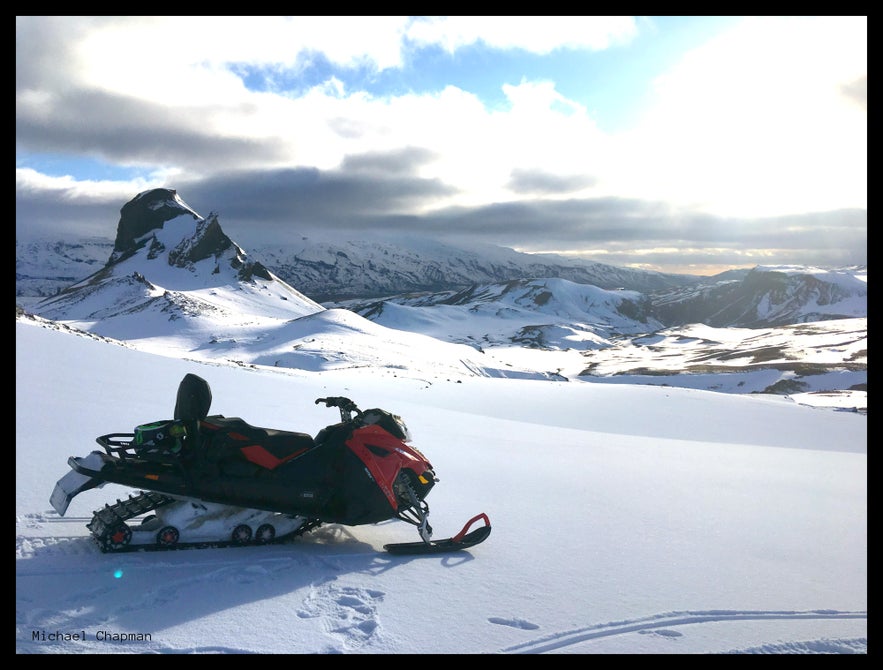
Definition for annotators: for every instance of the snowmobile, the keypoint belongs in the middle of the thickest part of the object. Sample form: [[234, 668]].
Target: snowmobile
[[211, 480]]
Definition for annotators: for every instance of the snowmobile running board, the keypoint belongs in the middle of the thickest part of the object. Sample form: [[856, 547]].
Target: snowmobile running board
[[462, 540]]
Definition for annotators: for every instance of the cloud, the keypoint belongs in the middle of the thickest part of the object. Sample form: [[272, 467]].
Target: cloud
[[757, 136], [261, 206], [131, 132], [62, 208], [540, 182], [537, 34], [307, 197]]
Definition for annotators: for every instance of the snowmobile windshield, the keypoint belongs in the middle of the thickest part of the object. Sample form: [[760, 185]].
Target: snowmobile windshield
[[392, 423]]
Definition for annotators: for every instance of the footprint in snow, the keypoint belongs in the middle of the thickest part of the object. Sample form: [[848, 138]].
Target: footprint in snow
[[348, 612], [513, 623], [662, 632]]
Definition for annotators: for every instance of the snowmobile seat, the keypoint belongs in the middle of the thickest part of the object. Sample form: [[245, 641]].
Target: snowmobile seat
[[194, 399], [231, 439], [232, 443]]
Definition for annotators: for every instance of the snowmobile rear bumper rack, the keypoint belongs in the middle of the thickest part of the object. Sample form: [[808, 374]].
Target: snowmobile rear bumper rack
[[462, 540], [82, 477]]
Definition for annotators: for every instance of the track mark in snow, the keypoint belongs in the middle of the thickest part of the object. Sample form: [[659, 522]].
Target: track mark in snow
[[660, 624], [837, 646], [514, 623], [33, 520], [348, 612]]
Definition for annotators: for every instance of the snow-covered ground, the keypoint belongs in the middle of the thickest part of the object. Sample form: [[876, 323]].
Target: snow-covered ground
[[626, 518]]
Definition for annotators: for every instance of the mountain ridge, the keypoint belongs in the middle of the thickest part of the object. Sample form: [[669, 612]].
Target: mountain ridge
[[175, 284], [344, 273], [370, 268]]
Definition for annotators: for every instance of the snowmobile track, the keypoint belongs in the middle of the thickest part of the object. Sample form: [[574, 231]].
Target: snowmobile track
[[112, 534]]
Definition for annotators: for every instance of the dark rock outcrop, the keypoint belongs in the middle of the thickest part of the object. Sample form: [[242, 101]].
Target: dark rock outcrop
[[145, 212]]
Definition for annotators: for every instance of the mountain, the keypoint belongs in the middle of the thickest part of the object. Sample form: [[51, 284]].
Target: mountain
[[768, 296], [168, 260], [367, 268], [174, 276], [579, 332], [557, 314], [548, 313], [332, 271], [176, 284], [44, 267]]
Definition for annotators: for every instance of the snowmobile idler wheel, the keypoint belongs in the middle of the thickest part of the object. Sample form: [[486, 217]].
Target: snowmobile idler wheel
[[241, 534], [168, 536], [118, 537], [265, 533]]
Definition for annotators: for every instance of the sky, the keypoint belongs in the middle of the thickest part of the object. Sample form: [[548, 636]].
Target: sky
[[681, 144], [625, 519]]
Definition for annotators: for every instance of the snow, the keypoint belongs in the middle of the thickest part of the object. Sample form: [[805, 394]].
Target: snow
[[627, 518]]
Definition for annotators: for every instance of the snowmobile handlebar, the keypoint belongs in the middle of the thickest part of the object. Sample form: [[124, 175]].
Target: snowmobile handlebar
[[346, 406]]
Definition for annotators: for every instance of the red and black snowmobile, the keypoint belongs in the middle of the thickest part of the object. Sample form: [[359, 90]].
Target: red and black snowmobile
[[215, 480]]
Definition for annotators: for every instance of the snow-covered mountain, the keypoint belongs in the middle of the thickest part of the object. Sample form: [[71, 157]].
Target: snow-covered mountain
[[174, 277], [548, 313], [336, 270], [358, 275], [44, 267], [768, 296], [168, 260], [556, 313], [578, 332], [332, 270]]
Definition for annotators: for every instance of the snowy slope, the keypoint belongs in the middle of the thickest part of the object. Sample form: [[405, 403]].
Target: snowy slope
[[626, 520]]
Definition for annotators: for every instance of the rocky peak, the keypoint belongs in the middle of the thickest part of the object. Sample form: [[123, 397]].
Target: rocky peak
[[167, 258], [147, 211]]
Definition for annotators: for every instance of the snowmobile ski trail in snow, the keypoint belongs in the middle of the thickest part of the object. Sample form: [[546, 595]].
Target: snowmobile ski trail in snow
[[209, 480]]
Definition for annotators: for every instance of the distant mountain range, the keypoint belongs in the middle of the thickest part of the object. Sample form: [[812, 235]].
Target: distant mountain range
[[350, 269], [342, 270], [43, 267], [171, 273], [768, 296], [424, 272]]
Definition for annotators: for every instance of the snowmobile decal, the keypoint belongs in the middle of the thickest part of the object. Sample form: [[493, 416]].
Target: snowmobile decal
[[371, 442], [260, 456]]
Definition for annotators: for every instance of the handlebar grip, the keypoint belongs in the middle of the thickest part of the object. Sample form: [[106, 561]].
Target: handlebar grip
[[338, 401]]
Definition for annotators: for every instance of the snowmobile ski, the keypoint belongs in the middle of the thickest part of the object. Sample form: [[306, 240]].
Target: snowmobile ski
[[462, 540]]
